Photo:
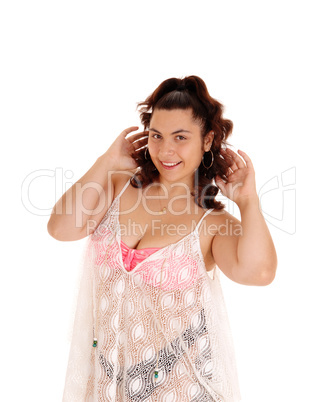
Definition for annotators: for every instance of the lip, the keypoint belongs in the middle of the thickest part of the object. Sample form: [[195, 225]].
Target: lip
[[169, 167]]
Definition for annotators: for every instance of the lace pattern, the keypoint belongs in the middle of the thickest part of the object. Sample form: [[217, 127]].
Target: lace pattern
[[196, 359]]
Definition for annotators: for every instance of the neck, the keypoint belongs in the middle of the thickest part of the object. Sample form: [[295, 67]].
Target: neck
[[170, 190]]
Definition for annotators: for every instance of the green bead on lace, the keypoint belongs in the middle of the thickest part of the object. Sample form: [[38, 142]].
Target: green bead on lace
[[95, 342], [156, 374]]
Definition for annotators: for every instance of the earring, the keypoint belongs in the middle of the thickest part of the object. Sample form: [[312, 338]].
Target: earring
[[154, 169], [207, 167]]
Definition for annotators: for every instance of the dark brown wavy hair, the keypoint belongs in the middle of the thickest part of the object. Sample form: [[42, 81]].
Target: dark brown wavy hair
[[188, 93]]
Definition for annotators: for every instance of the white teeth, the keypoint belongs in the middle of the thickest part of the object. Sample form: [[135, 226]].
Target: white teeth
[[170, 164]]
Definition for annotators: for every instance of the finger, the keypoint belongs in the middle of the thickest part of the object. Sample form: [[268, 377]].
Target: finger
[[140, 143], [139, 140], [229, 171], [238, 162], [246, 158], [228, 158], [128, 130], [220, 184], [137, 136], [232, 167]]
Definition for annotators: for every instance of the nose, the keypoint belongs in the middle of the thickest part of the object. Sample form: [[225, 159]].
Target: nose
[[166, 148]]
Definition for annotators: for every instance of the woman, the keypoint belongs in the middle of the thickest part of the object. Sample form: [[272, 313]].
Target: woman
[[151, 323]]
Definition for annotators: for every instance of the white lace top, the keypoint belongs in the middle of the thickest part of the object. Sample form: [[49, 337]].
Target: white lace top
[[166, 314]]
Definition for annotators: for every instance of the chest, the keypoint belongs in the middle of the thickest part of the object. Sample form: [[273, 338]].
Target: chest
[[143, 226]]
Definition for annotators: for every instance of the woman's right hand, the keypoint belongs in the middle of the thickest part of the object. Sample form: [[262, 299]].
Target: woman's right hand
[[120, 152], [82, 207]]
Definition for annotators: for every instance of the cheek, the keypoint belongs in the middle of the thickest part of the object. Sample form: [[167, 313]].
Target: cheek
[[152, 147], [194, 150]]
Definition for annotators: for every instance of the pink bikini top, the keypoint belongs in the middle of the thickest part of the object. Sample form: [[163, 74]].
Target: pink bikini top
[[132, 257]]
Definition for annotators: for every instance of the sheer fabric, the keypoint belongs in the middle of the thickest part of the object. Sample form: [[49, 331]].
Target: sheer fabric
[[131, 257], [136, 312]]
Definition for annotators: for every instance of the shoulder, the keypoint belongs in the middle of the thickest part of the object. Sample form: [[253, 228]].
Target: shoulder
[[120, 179], [223, 221]]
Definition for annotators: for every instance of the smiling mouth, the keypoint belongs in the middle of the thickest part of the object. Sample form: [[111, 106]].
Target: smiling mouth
[[170, 164]]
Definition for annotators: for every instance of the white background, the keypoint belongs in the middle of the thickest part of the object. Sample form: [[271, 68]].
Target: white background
[[71, 75]]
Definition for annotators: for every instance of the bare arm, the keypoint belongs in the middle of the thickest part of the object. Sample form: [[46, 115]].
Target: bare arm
[[90, 196], [81, 208], [246, 254], [244, 251]]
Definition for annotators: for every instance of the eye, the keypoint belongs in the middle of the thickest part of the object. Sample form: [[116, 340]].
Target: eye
[[158, 136]]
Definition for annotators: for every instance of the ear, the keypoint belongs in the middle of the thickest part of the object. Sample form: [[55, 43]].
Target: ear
[[208, 140]]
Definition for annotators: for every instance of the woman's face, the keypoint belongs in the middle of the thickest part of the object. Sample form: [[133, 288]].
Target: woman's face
[[174, 137]]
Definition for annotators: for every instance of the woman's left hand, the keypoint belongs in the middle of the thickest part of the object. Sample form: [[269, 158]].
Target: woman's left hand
[[240, 185]]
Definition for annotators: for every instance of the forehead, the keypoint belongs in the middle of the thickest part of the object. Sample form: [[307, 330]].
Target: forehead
[[173, 119]]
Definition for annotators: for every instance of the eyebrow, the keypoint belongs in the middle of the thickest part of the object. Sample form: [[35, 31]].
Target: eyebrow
[[175, 132]]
